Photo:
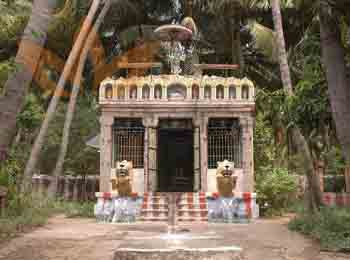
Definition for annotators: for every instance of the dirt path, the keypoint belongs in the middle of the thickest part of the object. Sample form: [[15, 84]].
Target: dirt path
[[70, 239]]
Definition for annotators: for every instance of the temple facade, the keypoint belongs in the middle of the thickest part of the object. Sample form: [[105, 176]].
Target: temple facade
[[175, 129]]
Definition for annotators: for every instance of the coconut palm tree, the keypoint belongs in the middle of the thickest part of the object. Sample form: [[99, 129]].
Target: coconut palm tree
[[39, 141], [299, 139], [74, 95], [28, 56]]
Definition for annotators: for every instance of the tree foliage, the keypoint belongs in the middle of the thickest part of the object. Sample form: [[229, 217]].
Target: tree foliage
[[276, 188]]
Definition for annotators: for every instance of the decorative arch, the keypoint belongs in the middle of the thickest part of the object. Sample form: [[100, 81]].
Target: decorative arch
[[133, 92], [177, 91], [232, 92], [108, 91], [207, 92], [245, 92], [195, 91], [220, 94], [121, 92], [158, 92], [146, 91]]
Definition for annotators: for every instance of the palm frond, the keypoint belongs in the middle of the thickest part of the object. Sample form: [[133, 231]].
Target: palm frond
[[264, 40]]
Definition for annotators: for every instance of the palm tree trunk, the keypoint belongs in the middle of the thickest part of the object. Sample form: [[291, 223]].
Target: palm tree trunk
[[282, 53], [74, 95], [333, 55], [39, 141], [299, 139], [27, 59]]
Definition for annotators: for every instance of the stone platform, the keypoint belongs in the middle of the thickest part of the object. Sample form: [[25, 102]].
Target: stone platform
[[181, 246], [189, 207]]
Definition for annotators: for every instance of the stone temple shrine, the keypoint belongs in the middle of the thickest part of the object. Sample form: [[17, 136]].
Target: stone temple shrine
[[175, 129], [167, 134]]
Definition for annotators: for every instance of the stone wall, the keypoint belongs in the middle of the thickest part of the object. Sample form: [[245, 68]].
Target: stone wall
[[76, 188], [336, 199]]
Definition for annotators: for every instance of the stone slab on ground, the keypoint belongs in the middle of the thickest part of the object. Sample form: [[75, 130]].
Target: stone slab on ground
[[187, 245], [179, 255]]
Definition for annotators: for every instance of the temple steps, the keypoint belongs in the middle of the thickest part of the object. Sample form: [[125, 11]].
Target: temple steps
[[154, 207], [190, 207], [153, 219]]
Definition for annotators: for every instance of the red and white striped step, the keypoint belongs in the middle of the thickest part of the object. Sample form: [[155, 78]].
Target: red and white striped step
[[189, 207], [192, 207], [154, 207]]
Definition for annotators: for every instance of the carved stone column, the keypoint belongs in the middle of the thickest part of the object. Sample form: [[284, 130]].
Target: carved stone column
[[127, 92], [188, 93], [150, 156], [213, 92], [247, 124], [106, 152], [201, 92], [139, 92], [239, 92], [203, 132], [145, 158], [151, 92], [226, 92], [196, 155], [164, 92]]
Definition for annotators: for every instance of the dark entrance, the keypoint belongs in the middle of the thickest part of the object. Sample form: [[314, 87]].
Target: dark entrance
[[175, 156]]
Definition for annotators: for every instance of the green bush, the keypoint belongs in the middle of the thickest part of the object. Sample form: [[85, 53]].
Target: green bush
[[25, 212], [276, 188], [331, 226], [77, 209]]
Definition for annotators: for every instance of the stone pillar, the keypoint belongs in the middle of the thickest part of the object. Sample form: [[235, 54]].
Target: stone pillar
[[213, 92], [164, 92], [203, 132], [76, 184], [139, 92], [66, 193], [145, 158], [239, 92], [188, 93], [196, 156], [106, 153], [151, 92], [127, 92], [252, 93], [247, 125], [150, 155], [201, 92], [226, 92], [42, 188]]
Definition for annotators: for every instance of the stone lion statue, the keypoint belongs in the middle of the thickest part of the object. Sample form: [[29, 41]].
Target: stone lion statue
[[226, 182], [189, 23], [122, 179]]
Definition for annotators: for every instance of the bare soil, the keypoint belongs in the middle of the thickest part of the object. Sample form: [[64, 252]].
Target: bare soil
[[70, 239]]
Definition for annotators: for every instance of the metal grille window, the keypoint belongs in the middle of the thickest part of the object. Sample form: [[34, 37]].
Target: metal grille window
[[128, 139], [224, 142]]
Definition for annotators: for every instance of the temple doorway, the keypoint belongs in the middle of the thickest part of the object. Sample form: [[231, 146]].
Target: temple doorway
[[175, 153]]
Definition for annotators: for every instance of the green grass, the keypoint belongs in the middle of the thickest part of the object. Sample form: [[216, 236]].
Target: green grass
[[77, 209], [330, 226], [26, 212]]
